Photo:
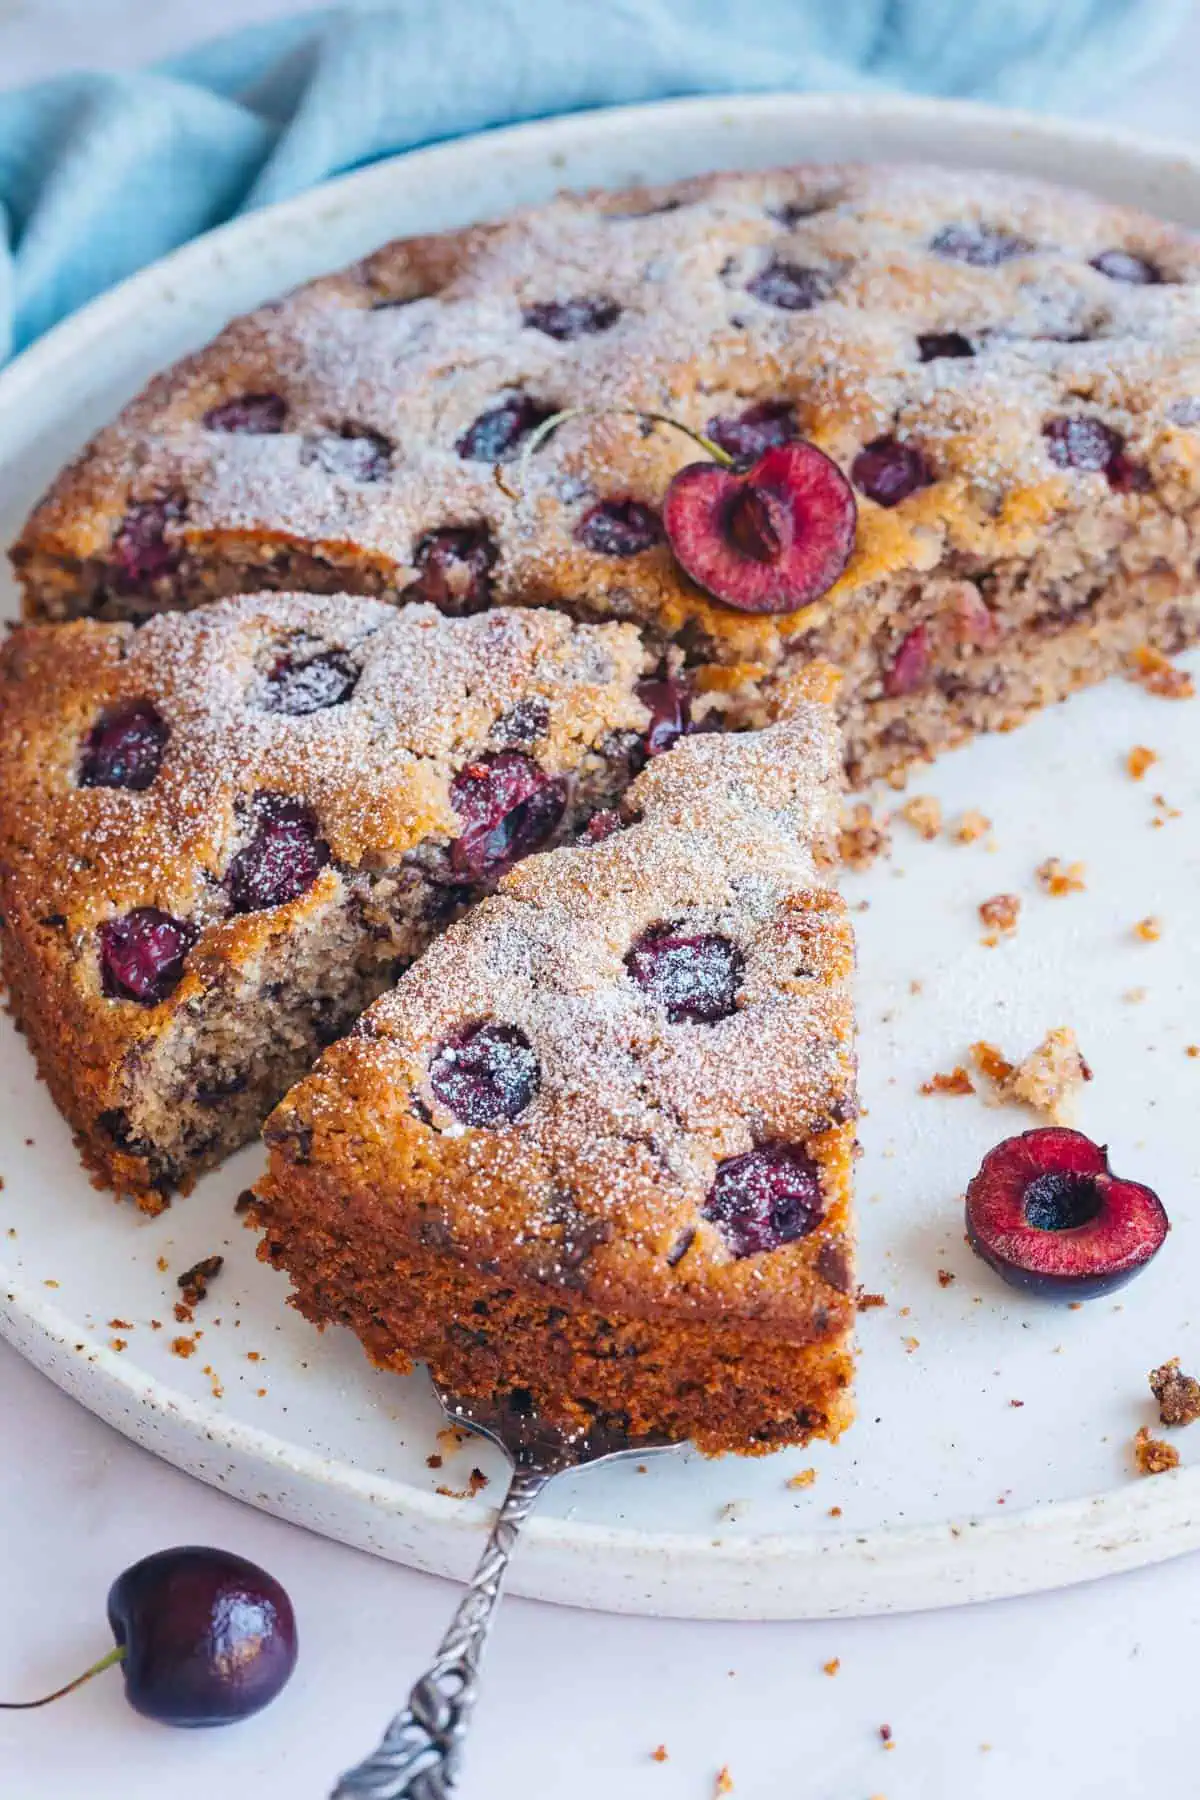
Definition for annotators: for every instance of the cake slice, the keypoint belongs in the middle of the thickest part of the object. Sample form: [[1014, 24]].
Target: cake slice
[[223, 834], [594, 1149], [1005, 374]]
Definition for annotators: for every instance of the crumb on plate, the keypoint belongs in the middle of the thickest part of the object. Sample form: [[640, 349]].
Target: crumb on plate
[[1151, 1455], [1178, 1395]]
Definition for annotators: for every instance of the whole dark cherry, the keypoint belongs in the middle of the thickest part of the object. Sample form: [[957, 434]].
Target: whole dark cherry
[[281, 860], [249, 415], [124, 749], [888, 471], [745, 435], [668, 703], [497, 435], [454, 569], [620, 528], [203, 1637], [1124, 265], [768, 1197], [486, 1074], [982, 246], [790, 286], [299, 687], [142, 954], [1048, 1214], [142, 552], [694, 976], [934, 345], [583, 316], [508, 806], [356, 453]]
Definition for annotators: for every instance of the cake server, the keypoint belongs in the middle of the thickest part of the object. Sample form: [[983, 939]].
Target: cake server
[[420, 1754]]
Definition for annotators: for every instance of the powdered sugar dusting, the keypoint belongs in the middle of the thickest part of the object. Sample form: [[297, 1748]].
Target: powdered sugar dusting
[[633, 1112]]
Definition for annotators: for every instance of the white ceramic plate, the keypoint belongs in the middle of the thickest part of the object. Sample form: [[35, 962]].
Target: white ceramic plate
[[945, 1490]]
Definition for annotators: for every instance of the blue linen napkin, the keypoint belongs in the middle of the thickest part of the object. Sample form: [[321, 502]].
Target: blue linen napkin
[[100, 174]]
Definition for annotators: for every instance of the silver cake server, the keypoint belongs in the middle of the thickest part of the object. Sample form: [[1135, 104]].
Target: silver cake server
[[420, 1755]]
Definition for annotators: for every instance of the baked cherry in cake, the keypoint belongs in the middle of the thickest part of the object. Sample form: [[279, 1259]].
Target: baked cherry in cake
[[278, 801], [600, 1166]]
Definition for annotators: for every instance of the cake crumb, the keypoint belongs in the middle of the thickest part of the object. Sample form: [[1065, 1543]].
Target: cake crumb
[[1159, 676], [835, 1512], [832, 1666], [862, 838], [1140, 758], [970, 827], [866, 1302], [924, 813], [1151, 1455], [910, 1344], [1000, 914], [1178, 1395], [1148, 929], [476, 1482], [659, 1754], [214, 1382], [183, 1346], [1046, 1080], [946, 1277], [193, 1284], [162, 1265], [724, 1782], [1134, 995], [804, 1479], [118, 1343], [245, 1200], [433, 1462], [1058, 877], [119, 1325], [1192, 1050], [956, 1082]]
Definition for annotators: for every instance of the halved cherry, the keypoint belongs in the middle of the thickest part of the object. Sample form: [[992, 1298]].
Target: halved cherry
[[1047, 1213], [769, 539]]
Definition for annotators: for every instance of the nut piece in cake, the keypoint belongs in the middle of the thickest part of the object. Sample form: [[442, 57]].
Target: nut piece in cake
[[918, 348], [223, 834], [596, 1145]]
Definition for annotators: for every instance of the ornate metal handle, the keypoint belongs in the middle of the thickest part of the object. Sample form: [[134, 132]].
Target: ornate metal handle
[[421, 1752]]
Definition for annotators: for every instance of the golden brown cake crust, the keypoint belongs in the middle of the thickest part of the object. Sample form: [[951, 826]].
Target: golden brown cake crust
[[374, 772], [587, 1215], [957, 312]]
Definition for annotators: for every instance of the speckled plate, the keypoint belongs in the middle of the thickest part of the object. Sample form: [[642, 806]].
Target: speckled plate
[[947, 1489]]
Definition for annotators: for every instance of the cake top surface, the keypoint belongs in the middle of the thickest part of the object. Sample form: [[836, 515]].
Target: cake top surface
[[990, 326], [600, 1077]]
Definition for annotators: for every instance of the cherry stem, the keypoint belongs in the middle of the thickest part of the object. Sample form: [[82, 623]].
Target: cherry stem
[[115, 1655], [537, 438]]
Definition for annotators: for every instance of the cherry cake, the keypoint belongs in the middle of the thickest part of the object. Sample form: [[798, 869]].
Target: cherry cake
[[223, 834], [987, 388], [594, 1149]]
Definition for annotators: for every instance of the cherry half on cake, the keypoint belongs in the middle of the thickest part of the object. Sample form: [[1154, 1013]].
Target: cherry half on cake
[[769, 535], [203, 1637], [1048, 1214]]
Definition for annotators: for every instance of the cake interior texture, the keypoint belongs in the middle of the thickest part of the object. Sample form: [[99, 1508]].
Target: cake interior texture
[[596, 1144]]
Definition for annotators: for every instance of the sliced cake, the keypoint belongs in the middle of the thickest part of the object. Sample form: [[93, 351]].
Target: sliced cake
[[221, 835], [594, 1149], [962, 413]]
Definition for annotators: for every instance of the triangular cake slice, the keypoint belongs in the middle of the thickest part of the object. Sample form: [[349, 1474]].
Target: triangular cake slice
[[595, 1147], [222, 835]]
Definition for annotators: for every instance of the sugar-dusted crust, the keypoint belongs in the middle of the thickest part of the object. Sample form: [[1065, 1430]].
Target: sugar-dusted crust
[[565, 1250], [1026, 578], [156, 1091]]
